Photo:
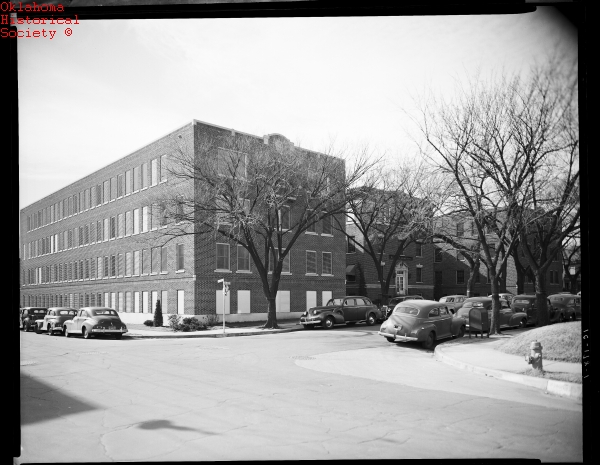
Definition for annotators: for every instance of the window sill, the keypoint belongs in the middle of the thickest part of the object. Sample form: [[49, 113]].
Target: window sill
[[285, 274], [244, 271], [326, 274], [164, 272], [311, 233], [326, 235], [222, 271], [180, 271], [153, 273], [311, 274]]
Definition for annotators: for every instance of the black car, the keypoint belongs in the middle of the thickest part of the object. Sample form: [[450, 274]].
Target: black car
[[350, 310], [389, 308], [29, 315]]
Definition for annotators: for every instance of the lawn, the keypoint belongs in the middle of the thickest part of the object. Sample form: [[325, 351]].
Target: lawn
[[560, 342]]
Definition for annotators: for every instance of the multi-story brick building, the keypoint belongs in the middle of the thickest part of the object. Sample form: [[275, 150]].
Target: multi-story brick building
[[98, 241]]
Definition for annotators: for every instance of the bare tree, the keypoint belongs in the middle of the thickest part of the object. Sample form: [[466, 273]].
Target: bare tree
[[389, 211], [571, 261], [261, 196]]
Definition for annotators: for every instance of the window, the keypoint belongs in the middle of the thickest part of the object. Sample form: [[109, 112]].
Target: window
[[127, 182], [144, 175], [153, 217], [163, 259], [145, 302], [222, 256], [145, 219], [120, 225], [180, 302], [419, 249], [99, 267], [87, 269], [460, 229], [136, 179], [120, 186], [136, 221], [113, 188], [311, 262], [460, 276], [163, 168], [154, 174], [145, 261], [113, 266], [128, 225], [128, 306], [154, 296], [106, 191], [351, 247], [312, 228], [113, 227], [128, 256], [164, 301], [327, 224], [243, 259], [92, 229], [136, 302], [437, 258], [99, 194], [136, 263], [121, 302], [285, 266], [99, 237], [419, 274], [327, 265], [155, 257]]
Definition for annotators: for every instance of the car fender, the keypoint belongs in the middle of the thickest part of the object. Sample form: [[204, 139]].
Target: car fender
[[423, 330], [337, 314], [70, 327], [457, 323], [516, 318]]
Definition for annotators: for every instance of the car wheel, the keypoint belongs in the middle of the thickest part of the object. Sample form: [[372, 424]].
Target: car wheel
[[561, 318], [50, 330], [66, 332], [461, 332], [430, 341], [118, 336], [27, 325], [522, 323], [390, 339], [328, 322], [86, 334], [38, 329], [371, 319]]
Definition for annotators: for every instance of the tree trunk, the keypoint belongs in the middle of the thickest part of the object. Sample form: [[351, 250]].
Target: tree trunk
[[520, 280], [473, 271], [573, 284], [495, 322], [271, 315], [541, 298], [502, 277]]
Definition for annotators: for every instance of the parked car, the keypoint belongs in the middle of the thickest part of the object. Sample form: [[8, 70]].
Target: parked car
[[505, 295], [565, 307], [509, 317], [424, 321], [29, 315], [349, 310], [55, 319], [91, 321], [527, 303], [453, 302], [387, 309]]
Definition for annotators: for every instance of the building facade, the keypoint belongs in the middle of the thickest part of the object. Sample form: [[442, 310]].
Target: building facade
[[98, 241]]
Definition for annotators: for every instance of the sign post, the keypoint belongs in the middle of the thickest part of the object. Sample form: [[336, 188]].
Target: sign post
[[225, 290]]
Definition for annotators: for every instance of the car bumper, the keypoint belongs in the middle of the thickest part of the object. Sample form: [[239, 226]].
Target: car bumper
[[109, 331], [398, 338], [312, 321]]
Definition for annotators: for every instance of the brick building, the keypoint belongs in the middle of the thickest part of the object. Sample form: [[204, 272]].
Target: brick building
[[98, 241]]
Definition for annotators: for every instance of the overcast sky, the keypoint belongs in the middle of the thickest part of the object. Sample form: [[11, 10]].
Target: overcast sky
[[114, 86]]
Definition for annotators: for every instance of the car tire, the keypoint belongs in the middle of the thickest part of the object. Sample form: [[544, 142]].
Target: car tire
[[390, 339], [118, 336], [85, 333], [461, 332], [66, 332], [430, 341], [328, 322], [371, 319], [27, 326], [50, 331], [561, 318], [38, 329], [522, 323]]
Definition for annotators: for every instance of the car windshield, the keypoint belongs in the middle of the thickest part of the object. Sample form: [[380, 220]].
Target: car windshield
[[405, 310], [39, 311], [66, 312], [334, 302], [522, 301], [104, 311], [443, 299]]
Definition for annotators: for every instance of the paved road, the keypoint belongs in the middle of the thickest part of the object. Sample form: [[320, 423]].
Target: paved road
[[339, 394]]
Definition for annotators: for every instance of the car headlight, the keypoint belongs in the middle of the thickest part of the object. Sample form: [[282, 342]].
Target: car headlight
[[315, 312]]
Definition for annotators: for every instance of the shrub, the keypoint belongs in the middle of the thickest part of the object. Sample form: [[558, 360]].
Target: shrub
[[149, 323], [158, 317], [174, 322], [193, 324], [212, 319]]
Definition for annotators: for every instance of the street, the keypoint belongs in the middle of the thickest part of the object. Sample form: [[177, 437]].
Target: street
[[345, 393]]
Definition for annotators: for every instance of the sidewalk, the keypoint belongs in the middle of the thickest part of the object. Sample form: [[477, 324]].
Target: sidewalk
[[481, 357], [229, 332]]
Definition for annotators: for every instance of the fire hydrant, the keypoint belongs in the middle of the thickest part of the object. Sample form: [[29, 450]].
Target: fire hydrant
[[535, 357]]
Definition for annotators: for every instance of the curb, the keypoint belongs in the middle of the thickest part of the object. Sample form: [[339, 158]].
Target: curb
[[560, 388], [213, 335]]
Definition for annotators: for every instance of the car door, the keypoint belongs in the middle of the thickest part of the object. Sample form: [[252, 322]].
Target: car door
[[434, 318], [349, 310], [505, 313], [78, 321], [47, 318], [445, 323], [361, 309]]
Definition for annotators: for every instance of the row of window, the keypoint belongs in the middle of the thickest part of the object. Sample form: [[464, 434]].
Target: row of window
[[136, 263], [125, 301], [244, 262], [132, 181], [136, 221]]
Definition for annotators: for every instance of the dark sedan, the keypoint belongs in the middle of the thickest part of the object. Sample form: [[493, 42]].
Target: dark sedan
[[389, 308], [509, 317], [29, 315], [349, 310], [565, 307], [55, 319], [424, 321]]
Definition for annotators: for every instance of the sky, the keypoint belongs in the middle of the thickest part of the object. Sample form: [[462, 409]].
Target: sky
[[114, 86]]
